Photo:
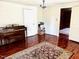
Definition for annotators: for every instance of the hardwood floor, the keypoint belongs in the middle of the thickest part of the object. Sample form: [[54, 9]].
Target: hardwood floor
[[31, 41]]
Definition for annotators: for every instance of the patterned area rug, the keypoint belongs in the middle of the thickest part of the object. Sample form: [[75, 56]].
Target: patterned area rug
[[43, 50]]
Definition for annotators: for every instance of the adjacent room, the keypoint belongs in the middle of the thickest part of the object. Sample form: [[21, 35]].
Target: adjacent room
[[39, 29]]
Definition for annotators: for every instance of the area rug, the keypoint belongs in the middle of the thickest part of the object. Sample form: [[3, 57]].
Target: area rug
[[42, 50]]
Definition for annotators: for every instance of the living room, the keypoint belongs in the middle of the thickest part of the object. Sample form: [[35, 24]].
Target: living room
[[16, 13]]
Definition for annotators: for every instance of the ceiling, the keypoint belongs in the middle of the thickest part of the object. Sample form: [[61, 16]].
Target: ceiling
[[38, 2]]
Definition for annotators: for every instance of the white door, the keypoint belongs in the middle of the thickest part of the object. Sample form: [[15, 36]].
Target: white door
[[30, 21]]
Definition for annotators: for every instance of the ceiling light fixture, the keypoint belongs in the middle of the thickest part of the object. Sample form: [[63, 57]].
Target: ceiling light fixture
[[43, 4]]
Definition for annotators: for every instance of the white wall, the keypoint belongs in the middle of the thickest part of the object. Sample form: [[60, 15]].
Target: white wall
[[10, 13], [40, 14], [74, 30], [52, 20]]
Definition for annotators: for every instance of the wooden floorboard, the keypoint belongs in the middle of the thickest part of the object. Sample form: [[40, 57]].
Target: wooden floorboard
[[33, 40]]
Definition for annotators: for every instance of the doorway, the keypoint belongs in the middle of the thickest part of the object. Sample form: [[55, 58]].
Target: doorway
[[65, 17]]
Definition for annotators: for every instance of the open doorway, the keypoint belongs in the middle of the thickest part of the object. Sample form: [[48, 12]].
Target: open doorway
[[65, 17]]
